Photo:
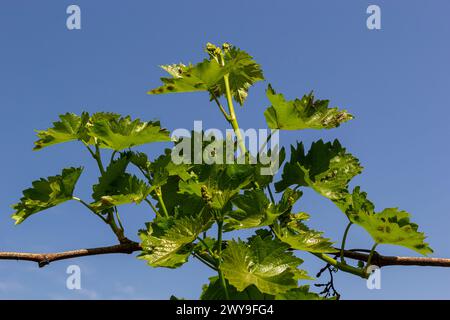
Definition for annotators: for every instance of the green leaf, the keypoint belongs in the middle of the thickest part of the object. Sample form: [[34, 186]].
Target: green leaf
[[217, 184], [70, 127], [163, 167], [109, 130], [116, 187], [327, 168], [301, 293], [123, 133], [242, 71], [191, 78], [46, 193], [305, 113], [390, 226], [141, 161], [214, 291], [264, 263], [293, 231], [167, 242], [255, 210], [208, 75]]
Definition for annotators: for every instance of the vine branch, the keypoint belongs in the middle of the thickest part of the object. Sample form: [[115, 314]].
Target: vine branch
[[44, 259]]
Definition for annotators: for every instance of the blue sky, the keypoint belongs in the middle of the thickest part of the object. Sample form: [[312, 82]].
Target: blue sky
[[395, 81]]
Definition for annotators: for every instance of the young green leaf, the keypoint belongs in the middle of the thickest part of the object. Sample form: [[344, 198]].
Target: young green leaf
[[253, 209], [294, 232], [167, 242], [46, 193], [163, 167], [243, 72], [214, 291], [327, 168], [191, 78], [301, 293], [305, 113], [208, 75], [217, 184], [123, 133], [70, 127], [116, 187], [264, 263], [390, 226]]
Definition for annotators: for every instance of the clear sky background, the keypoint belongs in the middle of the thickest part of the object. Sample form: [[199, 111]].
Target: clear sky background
[[395, 81]]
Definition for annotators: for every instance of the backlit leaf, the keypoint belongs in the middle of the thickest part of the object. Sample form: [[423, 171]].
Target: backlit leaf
[[167, 242], [116, 187], [208, 75], [123, 133], [264, 263], [46, 193], [70, 127], [390, 226], [253, 209], [293, 231], [305, 113], [327, 168]]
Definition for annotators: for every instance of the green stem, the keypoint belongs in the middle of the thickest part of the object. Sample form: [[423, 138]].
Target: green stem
[[344, 239], [204, 260], [222, 109], [98, 158], [233, 119], [161, 201], [117, 230], [145, 174], [206, 246], [219, 253], [112, 156], [152, 206], [90, 208], [369, 259], [267, 140], [118, 218], [90, 151], [271, 194], [341, 266]]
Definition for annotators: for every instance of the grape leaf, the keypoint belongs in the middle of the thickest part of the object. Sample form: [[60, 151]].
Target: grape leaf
[[46, 193], [70, 127], [167, 242], [217, 184], [293, 231], [242, 71], [300, 293], [191, 78], [110, 130], [255, 210], [116, 187], [305, 113], [264, 263], [208, 75], [390, 226], [214, 291], [163, 167], [327, 168], [123, 133], [141, 161]]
